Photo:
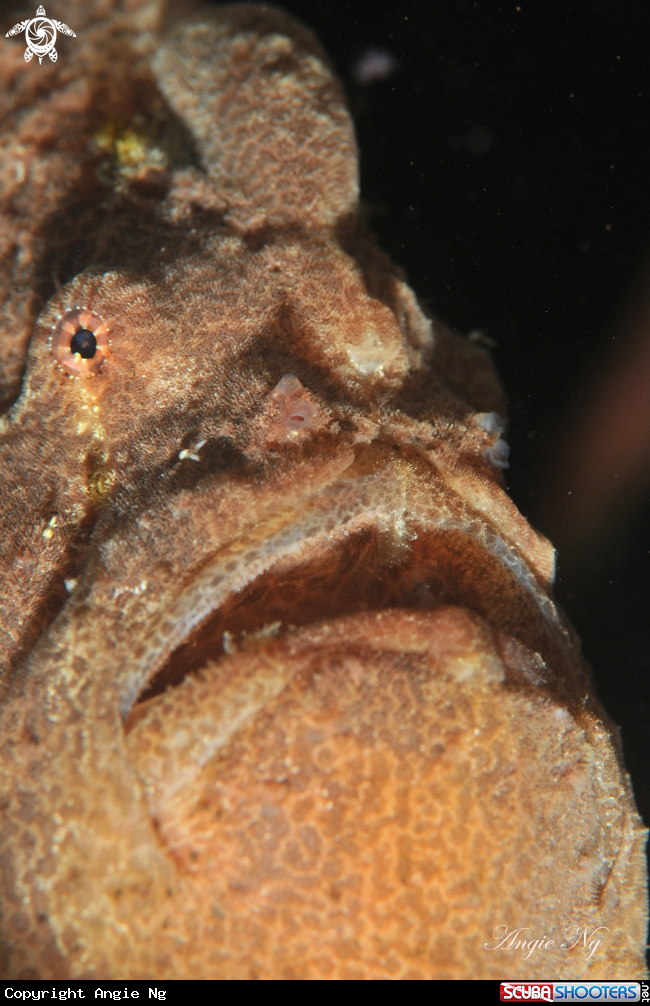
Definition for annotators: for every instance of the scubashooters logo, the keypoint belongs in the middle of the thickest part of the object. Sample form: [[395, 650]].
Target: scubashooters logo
[[40, 35]]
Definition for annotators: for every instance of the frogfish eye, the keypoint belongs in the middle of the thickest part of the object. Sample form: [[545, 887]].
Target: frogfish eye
[[84, 343], [80, 342]]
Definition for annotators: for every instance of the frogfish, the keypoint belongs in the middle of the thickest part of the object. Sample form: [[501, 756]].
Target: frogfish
[[285, 691]]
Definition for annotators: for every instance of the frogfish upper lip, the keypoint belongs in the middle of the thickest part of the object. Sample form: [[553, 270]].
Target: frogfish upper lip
[[368, 540]]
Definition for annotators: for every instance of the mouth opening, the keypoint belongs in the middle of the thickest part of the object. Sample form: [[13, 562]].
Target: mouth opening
[[371, 570]]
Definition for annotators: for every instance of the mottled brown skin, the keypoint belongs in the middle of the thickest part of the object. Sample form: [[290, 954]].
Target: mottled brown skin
[[285, 694]]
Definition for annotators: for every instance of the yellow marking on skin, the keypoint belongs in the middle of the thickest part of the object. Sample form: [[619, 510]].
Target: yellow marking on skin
[[93, 452], [131, 154]]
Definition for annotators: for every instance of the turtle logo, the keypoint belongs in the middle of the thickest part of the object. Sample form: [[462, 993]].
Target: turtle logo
[[40, 35]]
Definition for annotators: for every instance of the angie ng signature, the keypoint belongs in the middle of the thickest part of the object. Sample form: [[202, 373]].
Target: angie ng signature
[[574, 937]]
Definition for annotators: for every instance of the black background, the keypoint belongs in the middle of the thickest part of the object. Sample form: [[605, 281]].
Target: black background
[[539, 241]]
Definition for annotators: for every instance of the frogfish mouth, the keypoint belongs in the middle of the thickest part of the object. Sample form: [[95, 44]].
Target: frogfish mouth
[[286, 693]]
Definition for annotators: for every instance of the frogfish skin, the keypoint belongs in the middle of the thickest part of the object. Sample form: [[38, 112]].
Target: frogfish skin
[[285, 692]]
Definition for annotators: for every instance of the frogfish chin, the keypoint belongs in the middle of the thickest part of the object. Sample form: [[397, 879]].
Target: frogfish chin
[[286, 693]]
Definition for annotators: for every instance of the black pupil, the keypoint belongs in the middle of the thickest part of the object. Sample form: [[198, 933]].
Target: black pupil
[[84, 343]]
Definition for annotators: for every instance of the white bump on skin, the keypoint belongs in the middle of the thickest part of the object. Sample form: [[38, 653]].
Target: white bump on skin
[[288, 385], [366, 365], [193, 452], [138, 589], [48, 532], [371, 356], [497, 454], [491, 422]]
